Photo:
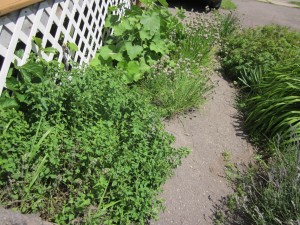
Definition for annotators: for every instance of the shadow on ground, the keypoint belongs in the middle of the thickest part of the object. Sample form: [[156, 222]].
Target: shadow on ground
[[188, 5], [222, 215]]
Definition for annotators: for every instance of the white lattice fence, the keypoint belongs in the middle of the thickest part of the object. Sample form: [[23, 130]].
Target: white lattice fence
[[56, 22]]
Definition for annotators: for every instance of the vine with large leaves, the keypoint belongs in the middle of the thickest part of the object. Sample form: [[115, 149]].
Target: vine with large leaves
[[139, 38]]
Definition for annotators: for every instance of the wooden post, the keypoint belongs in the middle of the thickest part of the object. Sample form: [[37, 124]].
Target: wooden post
[[138, 3], [7, 6]]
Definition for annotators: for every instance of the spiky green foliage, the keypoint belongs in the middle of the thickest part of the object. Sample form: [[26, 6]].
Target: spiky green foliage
[[274, 108]]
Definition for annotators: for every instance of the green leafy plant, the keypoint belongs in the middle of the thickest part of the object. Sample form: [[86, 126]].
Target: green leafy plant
[[179, 81], [82, 147], [24, 84], [262, 47], [267, 74], [139, 39], [265, 63]]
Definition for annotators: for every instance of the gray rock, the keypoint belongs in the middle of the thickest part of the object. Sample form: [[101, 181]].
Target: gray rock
[[10, 217]]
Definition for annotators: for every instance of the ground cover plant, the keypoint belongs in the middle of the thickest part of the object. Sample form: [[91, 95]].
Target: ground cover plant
[[264, 62], [267, 74], [81, 147], [175, 89], [273, 107], [262, 47]]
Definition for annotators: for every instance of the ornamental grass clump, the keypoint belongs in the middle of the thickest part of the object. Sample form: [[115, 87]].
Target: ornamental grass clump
[[266, 63], [274, 107], [178, 88], [201, 35]]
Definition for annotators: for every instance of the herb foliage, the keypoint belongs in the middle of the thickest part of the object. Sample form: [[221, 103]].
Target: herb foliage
[[81, 147]]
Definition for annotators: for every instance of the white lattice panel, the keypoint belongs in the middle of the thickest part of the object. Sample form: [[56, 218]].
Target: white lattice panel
[[56, 22]]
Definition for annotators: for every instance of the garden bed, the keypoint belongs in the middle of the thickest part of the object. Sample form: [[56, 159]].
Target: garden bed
[[87, 145]]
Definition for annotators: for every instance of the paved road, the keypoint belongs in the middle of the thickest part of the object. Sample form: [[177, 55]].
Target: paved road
[[254, 13]]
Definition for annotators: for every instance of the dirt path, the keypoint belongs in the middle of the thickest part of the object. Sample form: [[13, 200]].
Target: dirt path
[[199, 182]]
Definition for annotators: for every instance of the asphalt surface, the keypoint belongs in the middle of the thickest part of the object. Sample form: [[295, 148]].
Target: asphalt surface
[[252, 13]]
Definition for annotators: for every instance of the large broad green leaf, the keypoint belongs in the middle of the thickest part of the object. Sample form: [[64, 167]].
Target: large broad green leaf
[[106, 51], [133, 67], [95, 61], [133, 72], [112, 20], [117, 56], [144, 67], [120, 46], [145, 35], [151, 22], [122, 65], [159, 46], [109, 52], [133, 50], [122, 27], [133, 21], [6, 103], [31, 70]]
